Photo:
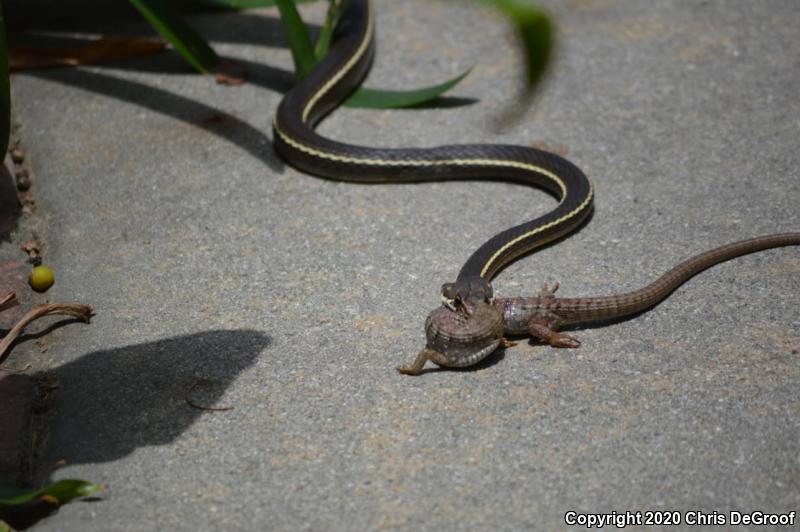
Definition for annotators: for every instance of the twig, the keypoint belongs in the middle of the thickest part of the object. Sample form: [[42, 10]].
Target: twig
[[16, 370], [8, 300], [77, 310]]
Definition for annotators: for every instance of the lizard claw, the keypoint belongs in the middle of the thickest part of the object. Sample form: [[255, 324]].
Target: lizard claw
[[504, 342], [563, 340]]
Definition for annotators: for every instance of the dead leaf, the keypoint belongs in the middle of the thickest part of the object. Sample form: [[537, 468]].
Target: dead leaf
[[230, 73], [33, 249], [76, 310], [104, 49], [558, 149], [8, 300]]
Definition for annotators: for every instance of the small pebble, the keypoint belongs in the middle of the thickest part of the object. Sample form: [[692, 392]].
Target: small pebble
[[17, 155], [23, 179]]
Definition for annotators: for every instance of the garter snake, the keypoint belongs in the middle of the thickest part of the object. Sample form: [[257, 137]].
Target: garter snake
[[341, 71], [474, 322]]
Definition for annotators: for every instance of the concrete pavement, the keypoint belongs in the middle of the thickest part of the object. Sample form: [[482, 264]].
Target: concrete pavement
[[215, 271]]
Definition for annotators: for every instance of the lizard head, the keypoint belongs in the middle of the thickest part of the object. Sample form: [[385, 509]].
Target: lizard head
[[465, 294]]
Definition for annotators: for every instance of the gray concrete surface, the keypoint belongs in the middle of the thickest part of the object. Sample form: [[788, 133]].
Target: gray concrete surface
[[292, 298]]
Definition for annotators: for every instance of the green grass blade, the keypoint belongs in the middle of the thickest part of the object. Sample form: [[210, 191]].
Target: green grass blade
[[62, 491], [5, 89], [324, 39], [172, 27], [387, 99], [297, 35], [536, 33]]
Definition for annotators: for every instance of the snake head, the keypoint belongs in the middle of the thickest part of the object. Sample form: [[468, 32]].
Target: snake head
[[465, 294]]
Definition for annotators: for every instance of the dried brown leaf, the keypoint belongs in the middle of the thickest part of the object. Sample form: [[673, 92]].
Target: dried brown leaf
[[230, 73], [8, 300], [77, 310]]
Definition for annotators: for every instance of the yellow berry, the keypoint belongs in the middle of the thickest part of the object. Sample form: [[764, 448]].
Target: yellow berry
[[41, 278]]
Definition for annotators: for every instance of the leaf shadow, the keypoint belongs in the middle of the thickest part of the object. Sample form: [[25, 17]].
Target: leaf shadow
[[446, 102], [119, 17], [75, 27], [26, 337], [217, 122], [111, 402]]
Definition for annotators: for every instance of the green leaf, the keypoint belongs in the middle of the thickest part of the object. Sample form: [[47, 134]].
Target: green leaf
[[536, 32], [297, 35], [324, 39], [186, 41], [5, 90], [62, 491], [387, 99]]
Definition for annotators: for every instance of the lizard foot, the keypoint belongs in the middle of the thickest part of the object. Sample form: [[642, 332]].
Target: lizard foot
[[543, 331], [563, 340], [504, 342]]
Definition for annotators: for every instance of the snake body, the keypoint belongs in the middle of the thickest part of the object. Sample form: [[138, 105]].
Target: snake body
[[473, 323], [341, 71]]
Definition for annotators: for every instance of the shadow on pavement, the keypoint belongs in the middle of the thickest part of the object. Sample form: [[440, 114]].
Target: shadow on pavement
[[109, 403], [118, 17], [74, 25], [9, 204], [201, 115]]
